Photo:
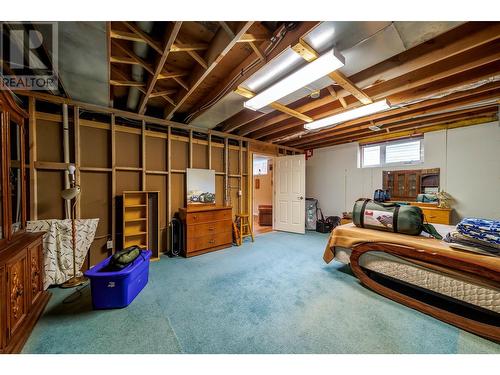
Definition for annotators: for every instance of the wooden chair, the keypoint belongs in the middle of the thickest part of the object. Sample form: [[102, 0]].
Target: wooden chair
[[243, 221]]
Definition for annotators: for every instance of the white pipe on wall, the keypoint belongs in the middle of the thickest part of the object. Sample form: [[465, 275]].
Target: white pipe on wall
[[66, 156]]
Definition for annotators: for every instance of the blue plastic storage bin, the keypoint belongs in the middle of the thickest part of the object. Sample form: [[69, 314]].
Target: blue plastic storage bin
[[114, 290]]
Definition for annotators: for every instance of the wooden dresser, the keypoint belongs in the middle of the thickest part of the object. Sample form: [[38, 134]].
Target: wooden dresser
[[436, 215], [206, 228]]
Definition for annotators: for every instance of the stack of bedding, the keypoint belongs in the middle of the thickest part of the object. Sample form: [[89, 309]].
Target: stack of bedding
[[477, 235]]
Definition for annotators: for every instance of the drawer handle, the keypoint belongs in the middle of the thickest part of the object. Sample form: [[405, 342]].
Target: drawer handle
[[211, 241], [195, 217], [211, 228]]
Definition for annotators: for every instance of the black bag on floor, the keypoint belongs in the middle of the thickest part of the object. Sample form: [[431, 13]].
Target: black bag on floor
[[176, 237], [322, 224]]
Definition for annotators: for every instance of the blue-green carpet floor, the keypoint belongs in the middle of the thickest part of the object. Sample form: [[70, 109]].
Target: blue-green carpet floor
[[273, 296]]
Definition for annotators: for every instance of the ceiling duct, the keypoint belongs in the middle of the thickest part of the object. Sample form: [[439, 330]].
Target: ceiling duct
[[140, 49]]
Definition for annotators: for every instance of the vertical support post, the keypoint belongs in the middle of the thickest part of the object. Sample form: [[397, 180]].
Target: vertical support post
[[227, 193], [76, 131], [190, 149], [209, 150], [113, 181], [67, 203], [169, 175], [143, 155], [240, 180], [32, 150]]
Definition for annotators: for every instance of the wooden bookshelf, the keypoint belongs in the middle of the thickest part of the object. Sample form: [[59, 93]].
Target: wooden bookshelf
[[140, 220]]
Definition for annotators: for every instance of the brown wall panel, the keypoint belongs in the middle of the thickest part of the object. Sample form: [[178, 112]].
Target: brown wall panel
[[50, 203], [159, 183], [156, 154], [180, 155], [127, 181], [178, 191], [95, 203], [233, 183], [200, 159], [218, 159], [49, 139], [128, 150], [244, 197], [234, 167], [94, 147], [219, 190]]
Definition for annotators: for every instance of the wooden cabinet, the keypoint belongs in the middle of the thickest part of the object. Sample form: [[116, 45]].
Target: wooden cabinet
[[435, 215], [206, 228], [407, 184], [22, 298]]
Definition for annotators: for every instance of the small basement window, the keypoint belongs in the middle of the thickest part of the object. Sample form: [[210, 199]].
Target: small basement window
[[392, 153]]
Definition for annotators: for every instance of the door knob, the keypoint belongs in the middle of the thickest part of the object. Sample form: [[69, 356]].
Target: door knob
[[301, 197]]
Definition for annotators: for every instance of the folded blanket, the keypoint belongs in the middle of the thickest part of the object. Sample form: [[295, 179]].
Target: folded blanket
[[484, 230], [458, 241]]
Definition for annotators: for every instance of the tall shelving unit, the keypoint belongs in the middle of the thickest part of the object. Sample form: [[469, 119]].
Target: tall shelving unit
[[140, 220]]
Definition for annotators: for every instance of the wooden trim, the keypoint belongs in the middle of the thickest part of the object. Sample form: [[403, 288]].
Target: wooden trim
[[134, 116], [469, 268], [143, 155], [32, 153]]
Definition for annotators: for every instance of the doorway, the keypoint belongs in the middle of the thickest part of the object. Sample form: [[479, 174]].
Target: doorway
[[262, 202]]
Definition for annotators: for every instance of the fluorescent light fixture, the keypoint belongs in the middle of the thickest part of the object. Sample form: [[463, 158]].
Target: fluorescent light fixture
[[349, 115], [327, 63]]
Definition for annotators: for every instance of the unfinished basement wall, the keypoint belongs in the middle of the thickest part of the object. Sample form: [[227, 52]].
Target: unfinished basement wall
[[113, 154]]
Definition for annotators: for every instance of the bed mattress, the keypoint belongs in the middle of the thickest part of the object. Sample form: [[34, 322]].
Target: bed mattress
[[479, 295]]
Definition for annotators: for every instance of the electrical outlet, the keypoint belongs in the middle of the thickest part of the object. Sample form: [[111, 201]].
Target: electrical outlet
[[109, 244]]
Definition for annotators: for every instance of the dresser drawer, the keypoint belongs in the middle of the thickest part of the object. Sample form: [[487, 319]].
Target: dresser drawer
[[437, 216], [206, 242], [208, 216], [205, 229]]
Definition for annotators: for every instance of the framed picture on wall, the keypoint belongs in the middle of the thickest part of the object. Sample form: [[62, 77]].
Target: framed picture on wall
[[200, 186]]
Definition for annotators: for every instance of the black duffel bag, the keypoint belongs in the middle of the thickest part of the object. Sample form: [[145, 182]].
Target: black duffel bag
[[326, 225]]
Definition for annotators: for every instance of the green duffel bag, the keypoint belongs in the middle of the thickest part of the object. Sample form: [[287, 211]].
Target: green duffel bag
[[391, 217]]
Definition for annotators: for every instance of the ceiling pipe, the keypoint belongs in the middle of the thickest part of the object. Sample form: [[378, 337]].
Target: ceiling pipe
[[140, 49]]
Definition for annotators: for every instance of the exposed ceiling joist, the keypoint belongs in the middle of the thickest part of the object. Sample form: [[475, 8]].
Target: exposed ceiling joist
[[248, 38], [219, 47], [195, 56], [171, 35], [133, 56], [451, 43], [115, 82]]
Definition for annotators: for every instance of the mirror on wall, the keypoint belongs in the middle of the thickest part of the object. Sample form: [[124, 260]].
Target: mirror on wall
[[15, 182], [200, 186]]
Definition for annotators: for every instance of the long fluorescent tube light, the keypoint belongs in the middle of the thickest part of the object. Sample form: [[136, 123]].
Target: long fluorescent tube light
[[327, 63], [352, 114]]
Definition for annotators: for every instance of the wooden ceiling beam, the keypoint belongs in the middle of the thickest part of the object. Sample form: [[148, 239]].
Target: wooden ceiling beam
[[257, 51], [133, 56], [249, 65], [144, 37], [163, 92], [115, 82], [451, 43], [195, 56], [221, 44], [427, 81], [187, 47], [424, 126], [171, 35], [460, 98], [405, 113], [397, 124], [248, 38]]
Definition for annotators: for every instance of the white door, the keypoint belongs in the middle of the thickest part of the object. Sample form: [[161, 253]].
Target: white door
[[289, 193]]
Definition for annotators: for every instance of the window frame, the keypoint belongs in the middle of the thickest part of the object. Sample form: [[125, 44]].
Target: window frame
[[383, 146]]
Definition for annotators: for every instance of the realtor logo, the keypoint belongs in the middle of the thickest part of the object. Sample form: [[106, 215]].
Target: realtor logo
[[29, 55]]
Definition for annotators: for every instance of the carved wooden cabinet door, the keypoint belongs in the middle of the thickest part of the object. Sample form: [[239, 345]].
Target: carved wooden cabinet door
[[16, 293], [2, 310], [35, 265]]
